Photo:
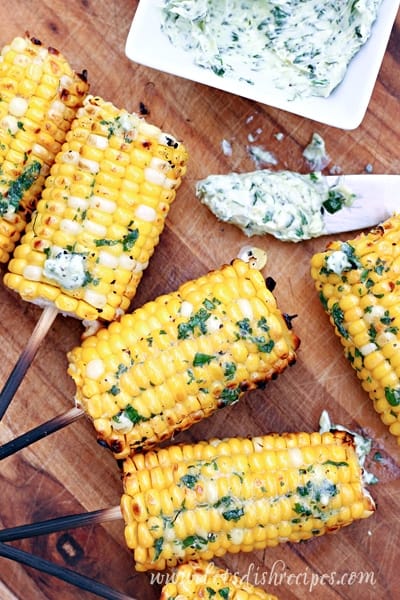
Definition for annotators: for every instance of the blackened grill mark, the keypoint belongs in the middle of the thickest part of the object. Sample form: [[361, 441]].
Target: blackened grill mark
[[143, 109], [171, 142], [83, 75], [270, 283]]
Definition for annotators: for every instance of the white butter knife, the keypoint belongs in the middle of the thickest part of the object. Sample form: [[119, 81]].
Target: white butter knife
[[377, 198]]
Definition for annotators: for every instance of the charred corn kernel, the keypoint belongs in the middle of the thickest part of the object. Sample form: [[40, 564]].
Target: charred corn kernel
[[86, 239], [40, 94], [240, 495], [366, 318], [202, 579], [159, 388]]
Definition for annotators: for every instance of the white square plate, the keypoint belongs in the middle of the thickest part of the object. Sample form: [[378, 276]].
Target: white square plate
[[344, 108]]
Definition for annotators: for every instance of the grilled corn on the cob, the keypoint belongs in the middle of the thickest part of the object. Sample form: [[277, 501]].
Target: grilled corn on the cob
[[39, 96], [202, 500], [101, 214], [359, 286], [201, 579], [180, 357]]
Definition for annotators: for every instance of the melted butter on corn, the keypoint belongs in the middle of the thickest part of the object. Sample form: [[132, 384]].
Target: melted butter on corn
[[101, 214], [359, 287], [197, 501], [179, 358]]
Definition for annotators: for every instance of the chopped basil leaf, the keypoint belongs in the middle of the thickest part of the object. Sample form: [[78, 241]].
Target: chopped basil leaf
[[341, 463], [194, 541], [158, 545], [201, 359], [19, 186], [134, 415], [229, 396], [338, 318], [189, 480], [392, 396], [233, 515]]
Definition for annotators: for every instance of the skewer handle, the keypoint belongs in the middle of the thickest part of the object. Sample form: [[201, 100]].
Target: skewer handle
[[39, 432], [80, 581], [60, 523], [28, 354]]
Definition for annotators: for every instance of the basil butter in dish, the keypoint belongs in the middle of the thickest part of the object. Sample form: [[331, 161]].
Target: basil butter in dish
[[302, 47], [315, 58]]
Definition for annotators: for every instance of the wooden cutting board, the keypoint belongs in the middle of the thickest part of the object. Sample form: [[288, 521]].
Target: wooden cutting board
[[68, 472]]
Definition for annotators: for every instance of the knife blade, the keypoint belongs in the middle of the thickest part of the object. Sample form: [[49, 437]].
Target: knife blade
[[377, 199]]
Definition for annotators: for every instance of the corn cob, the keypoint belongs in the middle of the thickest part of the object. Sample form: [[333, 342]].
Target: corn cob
[[178, 358], [39, 96], [200, 579], [359, 287], [202, 500], [101, 214]]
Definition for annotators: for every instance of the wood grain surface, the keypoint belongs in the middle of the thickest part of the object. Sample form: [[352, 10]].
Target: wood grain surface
[[68, 472]]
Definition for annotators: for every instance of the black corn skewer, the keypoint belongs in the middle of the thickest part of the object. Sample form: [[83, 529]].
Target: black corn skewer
[[26, 357], [39, 432], [60, 524], [80, 581]]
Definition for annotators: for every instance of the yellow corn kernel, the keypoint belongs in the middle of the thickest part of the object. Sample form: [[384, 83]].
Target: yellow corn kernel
[[159, 388], [204, 517], [202, 579], [37, 110], [367, 321], [85, 239]]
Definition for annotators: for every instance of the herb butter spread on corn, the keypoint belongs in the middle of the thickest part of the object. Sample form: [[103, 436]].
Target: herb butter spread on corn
[[179, 358], [301, 47], [39, 97], [359, 286], [285, 204], [100, 215], [202, 500]]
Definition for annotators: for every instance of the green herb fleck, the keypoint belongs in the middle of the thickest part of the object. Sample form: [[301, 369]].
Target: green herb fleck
[[158, 546], [341, 463], [335, 201], [120, 370], [133, 415], [197, 542], [196, 321], [189, 480], [338, 318], [262, 324], [211, 304], [392, 395], [201, 359], [229, 396], [263, 345], [244, 327], [302, 510], [19, 186], [233, 514], [128, 241], [229, 370]]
